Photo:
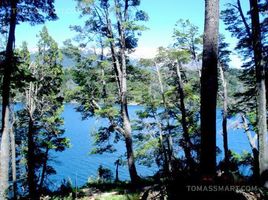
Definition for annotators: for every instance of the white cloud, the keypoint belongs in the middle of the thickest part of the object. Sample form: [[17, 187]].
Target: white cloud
[[33, 49], [236, 61], [144, 52]]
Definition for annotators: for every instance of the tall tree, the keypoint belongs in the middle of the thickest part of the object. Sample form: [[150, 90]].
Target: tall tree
[[41, 116], [261, 89], [174, 61], [249, 98], [4, 156], [43, 10], [209, 85], [119, 33], [39, 125], [187, 38], [224, 59]]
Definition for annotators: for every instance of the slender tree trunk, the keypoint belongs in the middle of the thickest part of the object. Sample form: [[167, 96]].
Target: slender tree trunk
[[115, 60], [126, 124], [44, 170], [123, 93], [187, 144], [239, 8], [169, 154], [254, 148], [224, 120], [9, 65], [13, 156], [31, 160], [209, 87], [117, 170], [164, 152], [5, 158], [104, 90], [261, 88], [121, 77]]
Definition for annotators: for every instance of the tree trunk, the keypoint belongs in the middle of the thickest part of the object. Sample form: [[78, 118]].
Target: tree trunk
[[239, 8], [44, 170], [254, 148], [126, 123], [166, 165], [5, 158], [13, 156], [261, 89], [31, 161], [168, 155], [104, 90], [131, 160], [9, 62], [209, 87], [123, 94], [187, 144], [117, 170], [224, 120]]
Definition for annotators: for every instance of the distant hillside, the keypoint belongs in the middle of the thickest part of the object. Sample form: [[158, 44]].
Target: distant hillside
[[66, 62]]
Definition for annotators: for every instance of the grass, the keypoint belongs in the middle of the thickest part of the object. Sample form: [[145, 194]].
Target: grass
[[119, 197]]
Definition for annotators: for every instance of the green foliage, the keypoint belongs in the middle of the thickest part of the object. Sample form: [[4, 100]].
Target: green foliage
[[104, 174], [237, 161], [120, 197], [36, 12], [97, 89], [245, 97], [43, 105], [187, 38]]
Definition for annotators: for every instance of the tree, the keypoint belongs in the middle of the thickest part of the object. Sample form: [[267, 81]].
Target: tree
[[249, 43], [9, 9], [187, 38], [40, 121], [171, 114], [209, 85], [174, 61], [224, 59], [119, 34], [260, 66]]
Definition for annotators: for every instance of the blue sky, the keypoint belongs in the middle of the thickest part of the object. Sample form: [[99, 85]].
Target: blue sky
[[163, 16]]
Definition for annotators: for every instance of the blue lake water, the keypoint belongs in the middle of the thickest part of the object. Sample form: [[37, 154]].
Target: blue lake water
[[78, 165]]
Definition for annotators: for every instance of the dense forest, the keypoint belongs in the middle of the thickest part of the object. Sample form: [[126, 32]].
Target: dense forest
[[181, 93]]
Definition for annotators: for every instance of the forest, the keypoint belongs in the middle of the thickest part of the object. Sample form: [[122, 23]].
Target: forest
[[184, 123]]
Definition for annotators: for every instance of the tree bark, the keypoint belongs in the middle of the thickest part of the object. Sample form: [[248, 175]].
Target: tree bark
[[5, 144], [239, 8], [168, 155], [261, 89], [187, 144], [117, 170], [13, 156], [104, 90], [121, 78], [126, 124], [31, 160], [254, 148], [224, 120], [44, 170], [209, 87], [5, 158]]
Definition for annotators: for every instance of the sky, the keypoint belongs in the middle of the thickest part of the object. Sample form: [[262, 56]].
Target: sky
[[163, 15]]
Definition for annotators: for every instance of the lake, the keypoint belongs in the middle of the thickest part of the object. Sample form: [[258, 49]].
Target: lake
[[76, 164]]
